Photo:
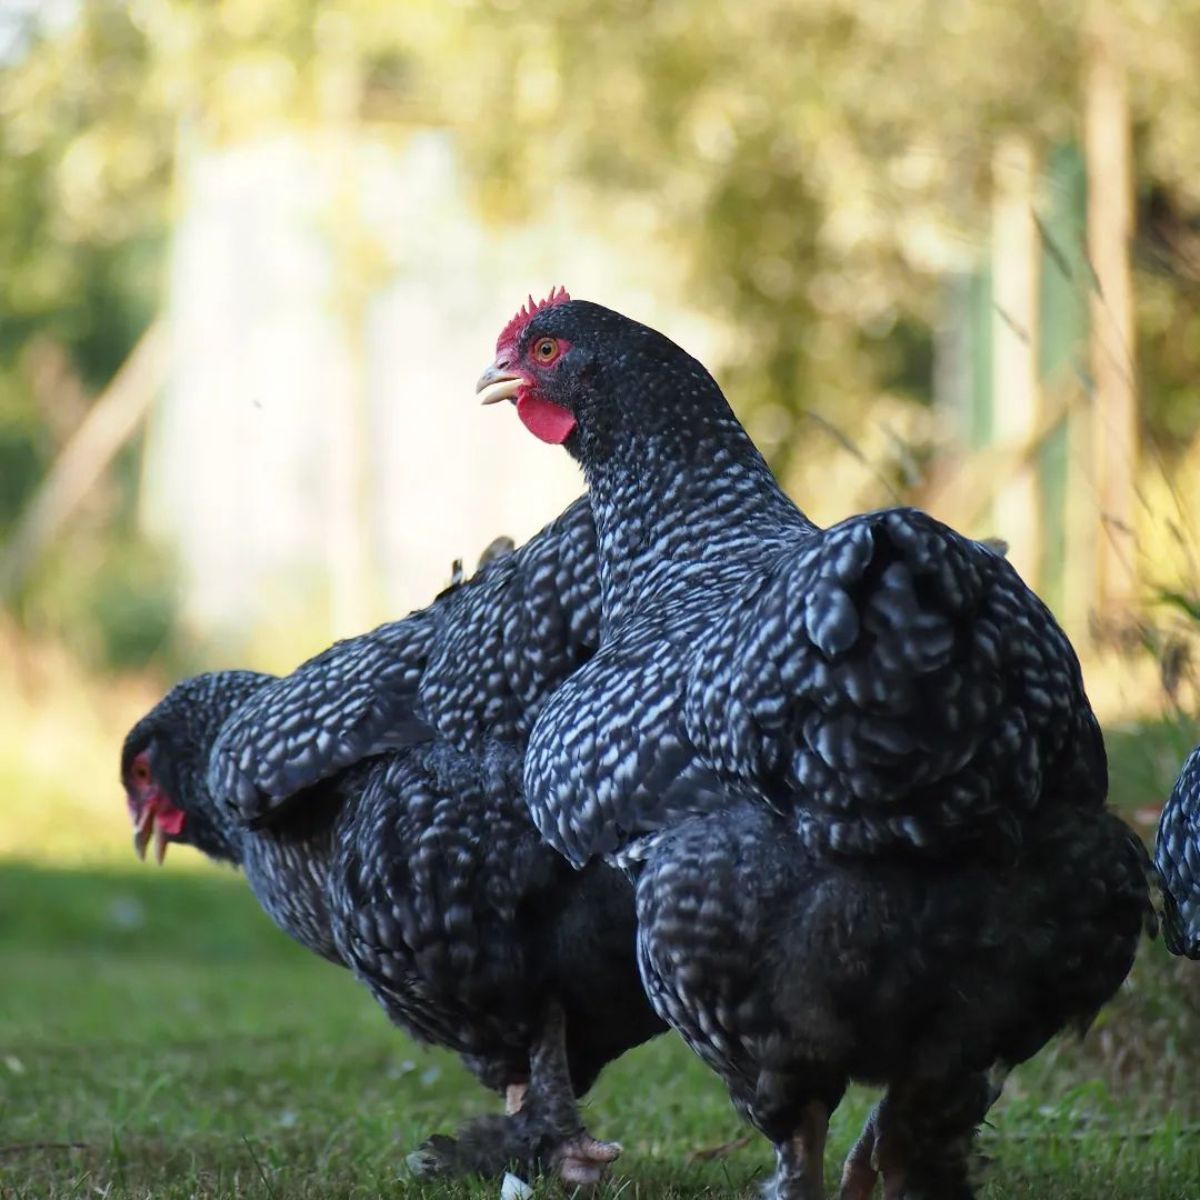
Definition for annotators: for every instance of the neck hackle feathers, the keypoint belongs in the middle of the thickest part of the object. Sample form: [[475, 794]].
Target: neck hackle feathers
[[513, 330]]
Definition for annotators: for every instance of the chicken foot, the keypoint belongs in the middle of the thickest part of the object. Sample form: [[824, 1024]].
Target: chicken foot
[[800, 1160], [551, 1107], [921, 1140], [485, 1146], [877, 1152], [859, 1172], [541, 1128]]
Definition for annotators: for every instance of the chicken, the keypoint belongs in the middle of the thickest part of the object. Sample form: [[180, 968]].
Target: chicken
[[853, 771], [1177, 857], [383, 843]]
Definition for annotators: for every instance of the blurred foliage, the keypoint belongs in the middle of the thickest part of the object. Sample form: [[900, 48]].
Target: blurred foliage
[[124, 616], [820, 166], [821, 163], [60, 733]]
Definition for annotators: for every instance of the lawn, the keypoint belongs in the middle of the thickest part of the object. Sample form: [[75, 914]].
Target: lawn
[[159, 1038]]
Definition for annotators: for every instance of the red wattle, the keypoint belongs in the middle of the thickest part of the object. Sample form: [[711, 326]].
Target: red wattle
[[169, 818], [544, 419]]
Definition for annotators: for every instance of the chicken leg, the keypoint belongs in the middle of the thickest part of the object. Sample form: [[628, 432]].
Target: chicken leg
[[550, 1105], [921, 1139], [800, 1160], [541, 1129]]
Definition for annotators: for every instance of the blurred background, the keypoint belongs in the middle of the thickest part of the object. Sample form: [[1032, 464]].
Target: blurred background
[[254, 254]]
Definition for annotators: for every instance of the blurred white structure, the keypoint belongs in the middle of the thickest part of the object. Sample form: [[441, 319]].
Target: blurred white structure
[[319, 450]]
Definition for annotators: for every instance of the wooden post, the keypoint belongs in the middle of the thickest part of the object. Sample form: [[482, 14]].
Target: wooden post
[[110, 423], [1068, 496], [1014, 340], [1112, 353]]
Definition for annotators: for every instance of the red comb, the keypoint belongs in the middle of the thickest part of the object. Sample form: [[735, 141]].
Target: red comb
[[513, 329]]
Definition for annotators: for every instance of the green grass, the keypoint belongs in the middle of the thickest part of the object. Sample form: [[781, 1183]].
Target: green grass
[[159, 1038]]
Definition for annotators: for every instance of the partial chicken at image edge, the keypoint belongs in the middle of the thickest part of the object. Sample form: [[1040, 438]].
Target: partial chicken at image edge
[[1177, 857]]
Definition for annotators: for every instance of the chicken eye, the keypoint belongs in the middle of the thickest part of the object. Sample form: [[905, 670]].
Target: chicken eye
[[545, 349]]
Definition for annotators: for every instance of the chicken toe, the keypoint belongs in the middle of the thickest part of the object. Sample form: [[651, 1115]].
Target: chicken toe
[[583, 1161]]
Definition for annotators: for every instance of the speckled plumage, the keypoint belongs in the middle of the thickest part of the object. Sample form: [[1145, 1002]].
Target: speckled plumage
[[803, 971], [418, 867], [890, 683], [1177, 857], [474, 666], [795, 737]]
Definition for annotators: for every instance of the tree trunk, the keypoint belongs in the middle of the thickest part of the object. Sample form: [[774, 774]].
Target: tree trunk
[[110, 423]]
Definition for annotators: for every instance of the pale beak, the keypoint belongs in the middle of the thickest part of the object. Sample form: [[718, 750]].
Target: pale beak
[[143, 831], [147, 828], [498, 383]]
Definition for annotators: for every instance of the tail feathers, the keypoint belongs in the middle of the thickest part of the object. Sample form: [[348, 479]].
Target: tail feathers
[[1177, 859]]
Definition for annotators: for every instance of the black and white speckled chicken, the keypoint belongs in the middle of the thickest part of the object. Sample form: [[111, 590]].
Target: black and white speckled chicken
[[383, 843], [1177, 857], [854, 771]]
